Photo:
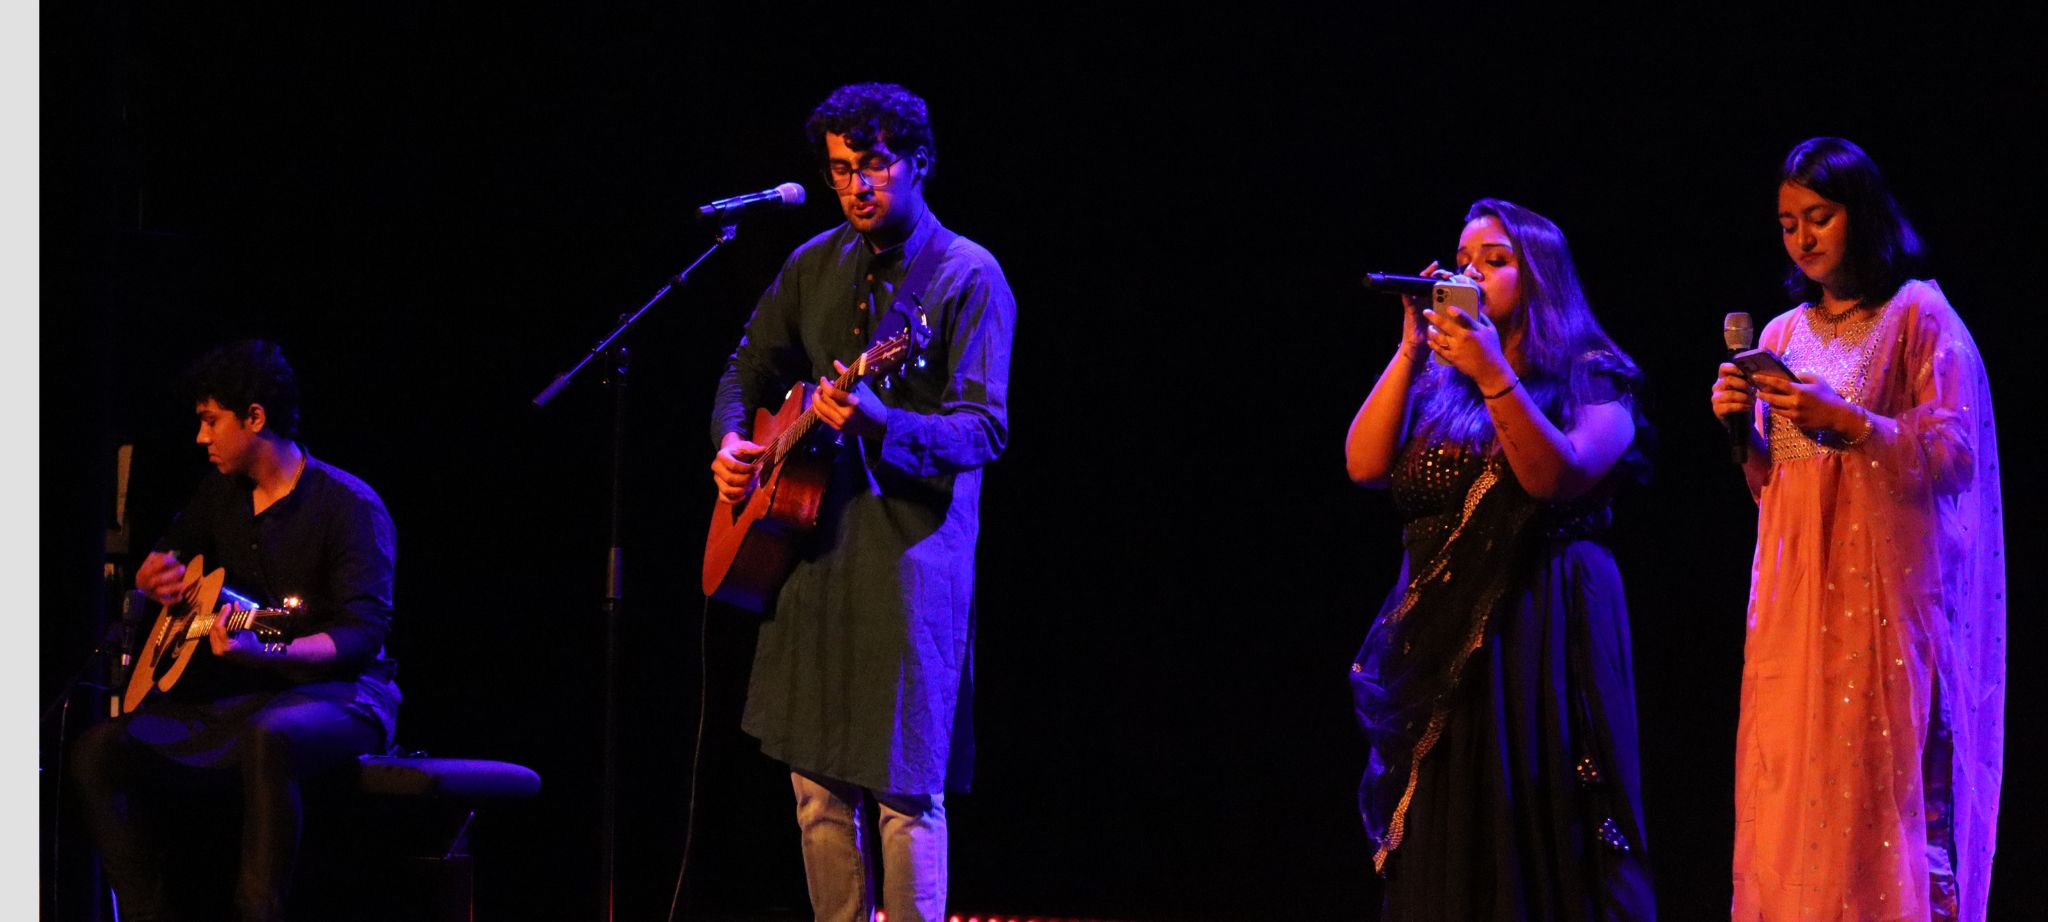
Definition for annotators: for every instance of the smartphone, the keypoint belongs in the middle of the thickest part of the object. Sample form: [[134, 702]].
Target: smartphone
[[1762, 360], [1456, 291]]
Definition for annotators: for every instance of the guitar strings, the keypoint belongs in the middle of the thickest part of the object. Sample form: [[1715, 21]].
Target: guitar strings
[[803, 424]]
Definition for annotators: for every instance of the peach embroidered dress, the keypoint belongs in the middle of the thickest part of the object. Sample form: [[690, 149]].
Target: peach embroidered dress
[[1868, 753]]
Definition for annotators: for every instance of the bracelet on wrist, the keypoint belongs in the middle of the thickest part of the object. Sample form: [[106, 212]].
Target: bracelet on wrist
[[1869, 428], [1503, 392]]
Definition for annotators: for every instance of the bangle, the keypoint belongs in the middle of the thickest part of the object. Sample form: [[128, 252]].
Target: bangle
[[1869, 427], [1503, 391]]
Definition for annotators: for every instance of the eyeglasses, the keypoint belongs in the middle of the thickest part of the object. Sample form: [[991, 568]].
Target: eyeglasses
[[877, 175]]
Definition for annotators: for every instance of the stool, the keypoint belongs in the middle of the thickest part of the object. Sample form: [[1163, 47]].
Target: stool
[[402, 839]]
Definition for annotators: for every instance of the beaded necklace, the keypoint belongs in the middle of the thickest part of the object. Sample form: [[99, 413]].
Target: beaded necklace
[[1827, 327]]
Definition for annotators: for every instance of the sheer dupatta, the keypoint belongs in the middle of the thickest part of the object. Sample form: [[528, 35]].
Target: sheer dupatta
[[1416, 650]]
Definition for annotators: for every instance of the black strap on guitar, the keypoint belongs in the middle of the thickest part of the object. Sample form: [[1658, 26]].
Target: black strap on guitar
[[917, 277]]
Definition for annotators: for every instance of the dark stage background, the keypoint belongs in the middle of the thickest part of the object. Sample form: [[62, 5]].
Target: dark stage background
[[437, 211]]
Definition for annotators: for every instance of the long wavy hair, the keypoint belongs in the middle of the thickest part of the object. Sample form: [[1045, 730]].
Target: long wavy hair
[[1883, 251], [1568, 360]]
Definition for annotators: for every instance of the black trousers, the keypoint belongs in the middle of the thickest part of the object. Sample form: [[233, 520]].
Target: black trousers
[[266, 744]]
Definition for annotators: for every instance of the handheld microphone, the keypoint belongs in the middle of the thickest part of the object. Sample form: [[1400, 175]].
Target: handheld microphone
[[1449, 291], [787, 195], [1738, 335], [1399, 284]]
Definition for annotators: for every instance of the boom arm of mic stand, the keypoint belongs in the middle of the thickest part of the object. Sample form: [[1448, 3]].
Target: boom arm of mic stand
[[561, 381]]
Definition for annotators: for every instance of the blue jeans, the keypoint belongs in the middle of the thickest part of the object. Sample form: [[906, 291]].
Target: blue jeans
[[828, 813]]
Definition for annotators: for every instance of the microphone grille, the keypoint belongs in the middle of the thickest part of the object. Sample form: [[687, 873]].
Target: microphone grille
[[793, 194], [1736, 331]]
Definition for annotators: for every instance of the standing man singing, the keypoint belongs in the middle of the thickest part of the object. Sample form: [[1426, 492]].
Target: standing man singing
[[863, 673]]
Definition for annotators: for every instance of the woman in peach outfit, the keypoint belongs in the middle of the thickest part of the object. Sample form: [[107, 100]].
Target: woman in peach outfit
[[1868, 753]]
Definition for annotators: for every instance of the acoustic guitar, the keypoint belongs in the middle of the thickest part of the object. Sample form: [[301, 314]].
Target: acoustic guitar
[[753, 543], [183, 625]]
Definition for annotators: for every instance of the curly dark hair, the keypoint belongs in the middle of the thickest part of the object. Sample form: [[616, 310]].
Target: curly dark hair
[[870, 112], [1883, 251], [240, 375]]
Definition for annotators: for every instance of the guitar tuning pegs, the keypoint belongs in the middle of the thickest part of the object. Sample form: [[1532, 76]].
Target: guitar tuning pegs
[[293, 603]]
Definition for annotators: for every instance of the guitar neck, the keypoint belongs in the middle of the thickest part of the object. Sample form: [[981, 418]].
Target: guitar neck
[[793, 435], [237, 620]]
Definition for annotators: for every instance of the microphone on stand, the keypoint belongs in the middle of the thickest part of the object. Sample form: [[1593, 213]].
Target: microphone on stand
[[121, 661], [1738, 335], [787, 195]]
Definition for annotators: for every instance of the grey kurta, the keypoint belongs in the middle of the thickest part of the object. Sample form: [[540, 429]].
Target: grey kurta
[[863, 671]]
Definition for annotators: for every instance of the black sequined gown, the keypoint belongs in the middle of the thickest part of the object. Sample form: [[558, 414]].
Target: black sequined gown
[[1526, 805]]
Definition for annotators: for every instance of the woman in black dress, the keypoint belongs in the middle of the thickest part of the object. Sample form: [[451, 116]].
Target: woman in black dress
[[1494, 687]]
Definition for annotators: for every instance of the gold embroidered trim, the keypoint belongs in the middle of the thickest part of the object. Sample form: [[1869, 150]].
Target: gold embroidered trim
[[1397, 825]]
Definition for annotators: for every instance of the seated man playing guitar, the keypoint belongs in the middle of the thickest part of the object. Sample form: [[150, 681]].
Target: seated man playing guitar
[[287, 531], [864, 664]]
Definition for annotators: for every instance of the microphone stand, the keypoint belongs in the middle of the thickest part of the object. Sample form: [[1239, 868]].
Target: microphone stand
[[612, 348], [111, 654]]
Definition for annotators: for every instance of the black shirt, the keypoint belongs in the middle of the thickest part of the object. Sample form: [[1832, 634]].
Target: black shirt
[[330, 542]]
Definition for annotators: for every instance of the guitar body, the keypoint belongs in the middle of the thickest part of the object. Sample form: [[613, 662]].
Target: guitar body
[[183, 625], [164, 656], [752, 544]]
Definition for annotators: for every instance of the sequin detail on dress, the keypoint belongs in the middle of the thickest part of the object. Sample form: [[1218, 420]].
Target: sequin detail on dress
[[1841, 357], [1610, 835]]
